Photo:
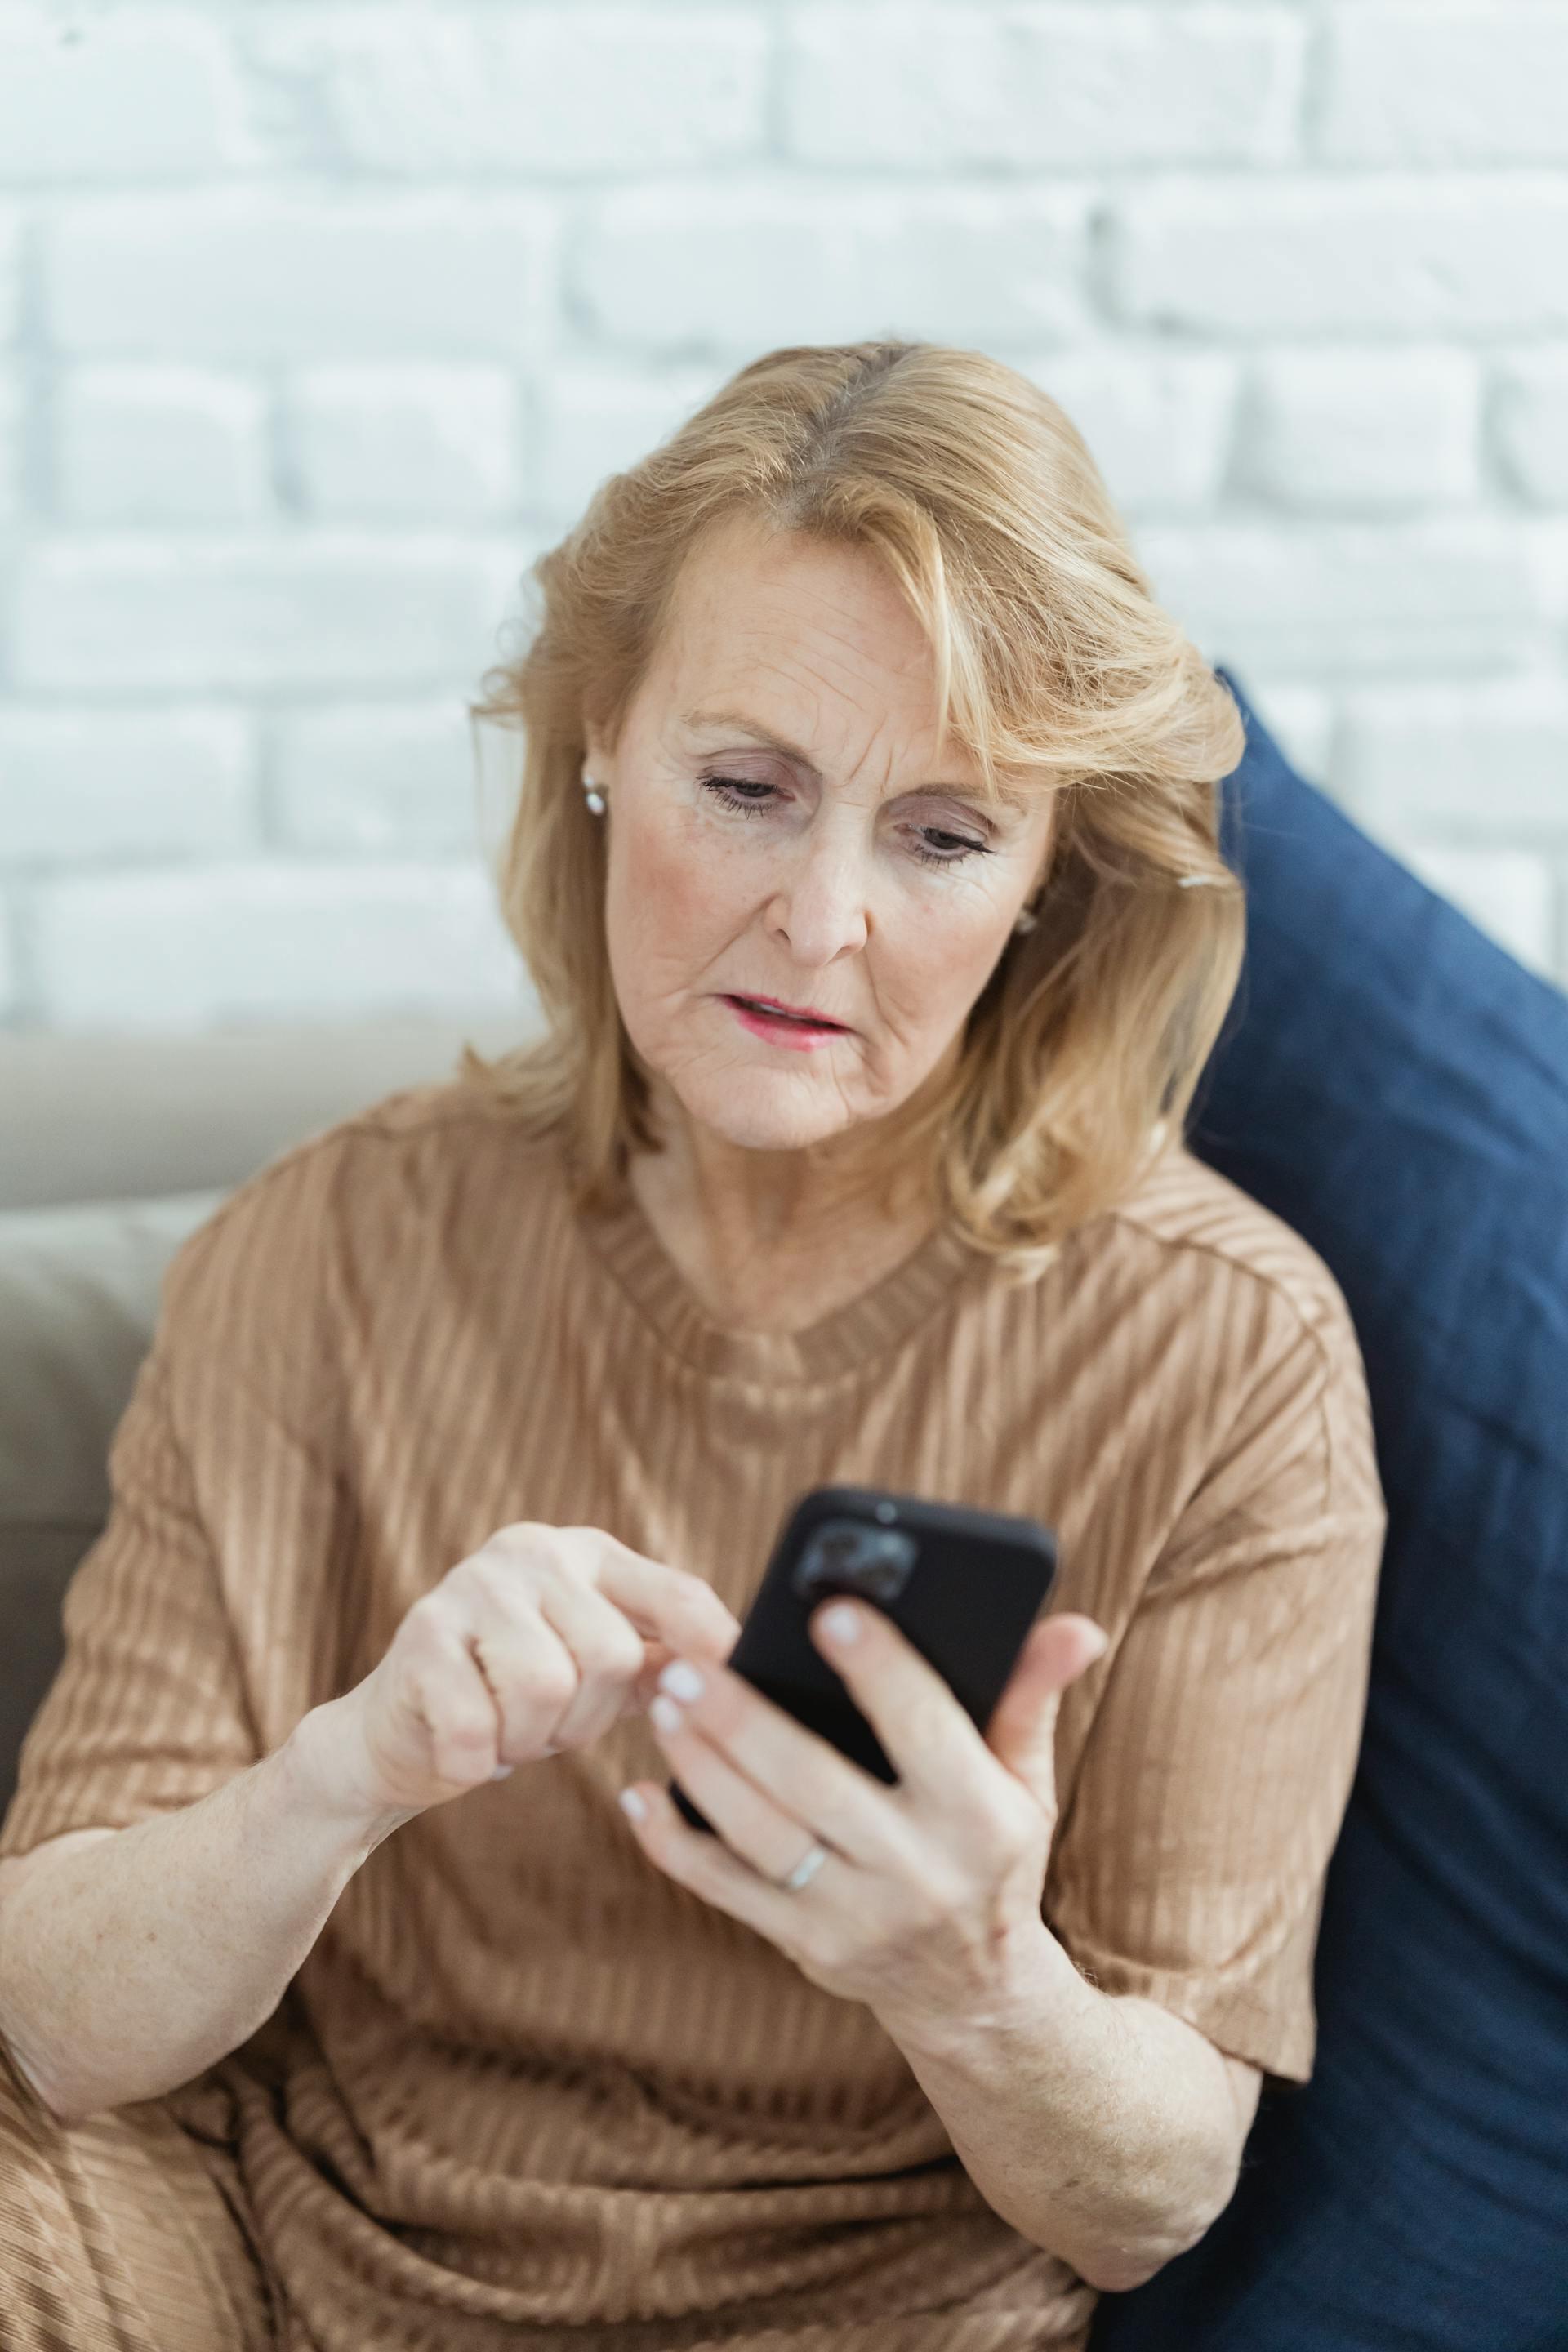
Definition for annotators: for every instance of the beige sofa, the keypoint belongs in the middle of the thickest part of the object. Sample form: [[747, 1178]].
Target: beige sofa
[[111, 1149]]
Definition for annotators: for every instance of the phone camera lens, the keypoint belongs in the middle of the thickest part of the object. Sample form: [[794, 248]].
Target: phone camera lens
[[844, 1555]]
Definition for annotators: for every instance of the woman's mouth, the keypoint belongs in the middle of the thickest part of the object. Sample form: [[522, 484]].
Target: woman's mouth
[[790, 1029]]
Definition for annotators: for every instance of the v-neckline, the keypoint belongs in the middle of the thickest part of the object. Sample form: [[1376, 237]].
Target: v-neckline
[[876, 1318]]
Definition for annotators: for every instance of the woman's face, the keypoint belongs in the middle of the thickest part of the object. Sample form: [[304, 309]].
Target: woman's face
[[780, 826]]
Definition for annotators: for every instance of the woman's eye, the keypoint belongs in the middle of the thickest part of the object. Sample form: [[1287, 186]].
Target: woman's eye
[[962, 848], [730, 789], [737, 792]]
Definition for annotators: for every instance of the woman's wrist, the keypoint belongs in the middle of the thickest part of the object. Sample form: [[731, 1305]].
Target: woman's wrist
[[329, 1785], [1031, 1985]]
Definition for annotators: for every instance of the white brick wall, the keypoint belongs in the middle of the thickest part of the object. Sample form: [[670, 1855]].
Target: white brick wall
[[318, 320], [182, 949], [1086, 87], [572, 90], [124, 786], [10, 273], [1362, 431], [13, 410], [1533, 425], [263, 277], [1434, 83], [148, 94], [162, 447], [427, 445]]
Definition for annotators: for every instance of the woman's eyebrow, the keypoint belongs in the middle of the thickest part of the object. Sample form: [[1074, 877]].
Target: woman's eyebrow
[[740, 723]]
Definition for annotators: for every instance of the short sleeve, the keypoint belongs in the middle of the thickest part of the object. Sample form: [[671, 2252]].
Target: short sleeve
[[147, 1712], [1191, 1851]]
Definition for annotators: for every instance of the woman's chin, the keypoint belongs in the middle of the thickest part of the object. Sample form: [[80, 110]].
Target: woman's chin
[[761, 1112]]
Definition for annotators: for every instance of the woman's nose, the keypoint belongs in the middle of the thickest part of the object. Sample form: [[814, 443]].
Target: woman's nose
[[821, 908]]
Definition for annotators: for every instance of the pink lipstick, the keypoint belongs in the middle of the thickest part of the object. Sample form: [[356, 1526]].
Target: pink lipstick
[[801, 1032]]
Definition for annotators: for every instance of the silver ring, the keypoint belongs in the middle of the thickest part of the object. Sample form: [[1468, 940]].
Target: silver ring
[[806, 1869]]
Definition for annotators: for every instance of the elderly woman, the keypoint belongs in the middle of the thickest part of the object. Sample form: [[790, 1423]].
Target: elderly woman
[[359, 1983]]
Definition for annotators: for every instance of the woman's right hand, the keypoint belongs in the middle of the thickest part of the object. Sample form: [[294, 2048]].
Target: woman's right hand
[[538, 1642]]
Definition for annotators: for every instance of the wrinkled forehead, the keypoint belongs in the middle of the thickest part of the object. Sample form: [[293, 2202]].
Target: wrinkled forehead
[[812, 641]]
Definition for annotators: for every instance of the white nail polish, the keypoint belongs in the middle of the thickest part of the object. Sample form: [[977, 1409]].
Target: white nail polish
[[680, 1680], [666, 1714]]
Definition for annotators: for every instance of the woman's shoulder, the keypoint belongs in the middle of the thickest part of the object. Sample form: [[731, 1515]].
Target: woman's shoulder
[[433, 1155], [1221, 1240], [1251, 1325]]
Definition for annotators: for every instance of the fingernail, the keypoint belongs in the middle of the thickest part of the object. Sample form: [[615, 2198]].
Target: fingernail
[[1101, 1644], [841, 1624], [666, 1714], [501, 1770], [630, 1803], [680, 1680]]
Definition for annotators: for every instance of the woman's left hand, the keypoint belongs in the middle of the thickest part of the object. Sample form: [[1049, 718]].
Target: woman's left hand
[[927, 1905]]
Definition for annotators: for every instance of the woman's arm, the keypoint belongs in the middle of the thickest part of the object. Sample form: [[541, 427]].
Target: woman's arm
[[1103, 2127], [131, 1962], [132, 1958]]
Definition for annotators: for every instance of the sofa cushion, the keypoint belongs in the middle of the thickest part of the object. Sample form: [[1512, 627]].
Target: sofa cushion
[[80, 1290], [105, 1117], [1395, 1087]]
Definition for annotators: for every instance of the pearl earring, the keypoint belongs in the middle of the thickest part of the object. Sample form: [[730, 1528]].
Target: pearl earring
[[1026, 921], [592, 794]]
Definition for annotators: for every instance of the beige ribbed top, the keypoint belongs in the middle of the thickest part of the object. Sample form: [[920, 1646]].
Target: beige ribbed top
[[525, 2090]]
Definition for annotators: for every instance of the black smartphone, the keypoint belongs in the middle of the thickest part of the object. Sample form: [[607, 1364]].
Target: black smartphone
[[964, 1586]]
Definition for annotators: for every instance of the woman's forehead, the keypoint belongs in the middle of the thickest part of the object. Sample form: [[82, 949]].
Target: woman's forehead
[[744, 598], [799, 672], [798, 645]]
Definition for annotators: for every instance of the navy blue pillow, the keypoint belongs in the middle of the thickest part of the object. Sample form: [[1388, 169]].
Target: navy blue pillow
[[1395, 1087]]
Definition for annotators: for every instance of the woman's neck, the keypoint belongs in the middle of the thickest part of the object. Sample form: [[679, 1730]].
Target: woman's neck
[[774, 1241]]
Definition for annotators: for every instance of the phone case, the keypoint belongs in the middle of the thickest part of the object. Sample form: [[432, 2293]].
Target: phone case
[[963, 1585]]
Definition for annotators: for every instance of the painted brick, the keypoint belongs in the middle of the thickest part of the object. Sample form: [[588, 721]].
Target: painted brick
[[422, 444], [1377, 257], [1468, 762], [13, 410], [667, 271], [1509, 894], [1370, 430], [163, 447], [181, 952], [1543, 544], [87, 96], [1430, 83], [82, 787], [286, 278], [1530, 420], [387, 777], [311, 611], [572, 90], [270, 276], [1425, 598], [592, 423], [10, 277], [1046, 88], [1301, 720], [1157, 423]]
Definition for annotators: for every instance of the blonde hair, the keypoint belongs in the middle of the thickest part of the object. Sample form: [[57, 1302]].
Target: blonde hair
[[1083, 1052]]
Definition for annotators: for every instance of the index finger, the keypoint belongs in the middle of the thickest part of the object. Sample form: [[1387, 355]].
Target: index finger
[[929, 1738], [670, 1603]]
